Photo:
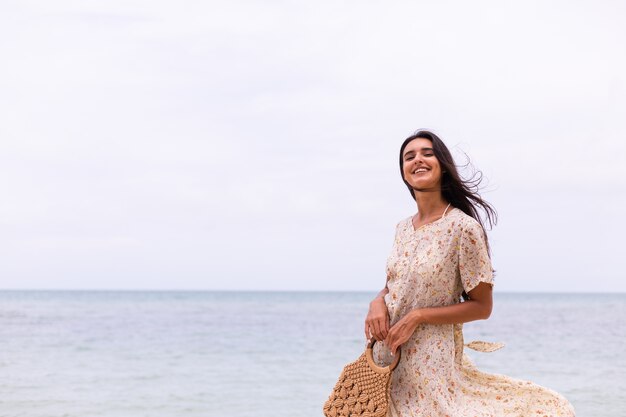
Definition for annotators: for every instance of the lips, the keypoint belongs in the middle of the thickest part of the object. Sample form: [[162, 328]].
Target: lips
[[419, 170]]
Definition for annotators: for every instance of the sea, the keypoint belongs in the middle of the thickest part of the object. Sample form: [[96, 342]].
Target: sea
[[270, 354]]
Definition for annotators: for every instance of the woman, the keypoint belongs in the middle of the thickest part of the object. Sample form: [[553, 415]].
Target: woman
[[441, 255]]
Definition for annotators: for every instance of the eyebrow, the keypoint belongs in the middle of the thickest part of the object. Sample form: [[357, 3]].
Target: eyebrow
[[421, 149]]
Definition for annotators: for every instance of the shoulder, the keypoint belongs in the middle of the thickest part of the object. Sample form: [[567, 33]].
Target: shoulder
[[464, 222]]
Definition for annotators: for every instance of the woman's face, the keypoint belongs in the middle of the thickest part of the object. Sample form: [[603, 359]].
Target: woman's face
[[420, 167]]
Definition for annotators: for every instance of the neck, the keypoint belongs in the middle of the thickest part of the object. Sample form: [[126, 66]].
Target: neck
[[429, 204]]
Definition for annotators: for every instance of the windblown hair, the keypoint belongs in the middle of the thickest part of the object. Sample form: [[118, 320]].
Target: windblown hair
[[460, 193]]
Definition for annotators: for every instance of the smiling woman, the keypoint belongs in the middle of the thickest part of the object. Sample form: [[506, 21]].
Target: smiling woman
[[440, 257], [421, 167]]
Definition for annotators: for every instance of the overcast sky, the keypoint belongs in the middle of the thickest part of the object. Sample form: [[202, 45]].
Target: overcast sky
[[253, 145]]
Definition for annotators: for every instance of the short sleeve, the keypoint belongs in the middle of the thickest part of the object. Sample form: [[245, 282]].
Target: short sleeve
[[474, 262]]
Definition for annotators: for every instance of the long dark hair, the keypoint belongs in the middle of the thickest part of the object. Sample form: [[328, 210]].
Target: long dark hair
[[460, 193]]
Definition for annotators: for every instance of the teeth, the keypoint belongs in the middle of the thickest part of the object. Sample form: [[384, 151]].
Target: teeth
[[419, 170]]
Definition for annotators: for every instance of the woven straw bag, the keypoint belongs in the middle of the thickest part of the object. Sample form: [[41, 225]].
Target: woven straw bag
[[362, 388]]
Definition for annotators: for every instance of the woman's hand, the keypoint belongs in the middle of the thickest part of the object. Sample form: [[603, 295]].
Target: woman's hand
[[402, 331], [377, 320]]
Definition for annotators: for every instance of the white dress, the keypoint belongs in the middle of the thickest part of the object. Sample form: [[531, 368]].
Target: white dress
[[430, 267]]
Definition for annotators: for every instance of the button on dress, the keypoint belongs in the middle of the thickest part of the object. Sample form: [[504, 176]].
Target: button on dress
[[430, 267]]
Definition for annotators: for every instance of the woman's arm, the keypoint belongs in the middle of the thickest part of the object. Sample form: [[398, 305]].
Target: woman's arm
[[377, 320], [476, 308]]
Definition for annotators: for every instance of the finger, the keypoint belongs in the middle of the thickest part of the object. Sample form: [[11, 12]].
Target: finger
[[376, 331], [381, 330], [384, 328], [389, 339], [393, 345]]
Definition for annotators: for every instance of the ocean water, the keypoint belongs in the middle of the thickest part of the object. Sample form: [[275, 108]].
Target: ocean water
[[270, 354]]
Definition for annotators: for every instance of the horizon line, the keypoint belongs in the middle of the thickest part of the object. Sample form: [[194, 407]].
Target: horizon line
[[273, 290]]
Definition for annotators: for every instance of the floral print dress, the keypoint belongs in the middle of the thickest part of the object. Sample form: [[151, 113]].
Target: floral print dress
[[430, 267]]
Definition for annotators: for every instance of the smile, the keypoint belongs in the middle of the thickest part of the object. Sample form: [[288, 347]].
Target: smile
[[417, 171]]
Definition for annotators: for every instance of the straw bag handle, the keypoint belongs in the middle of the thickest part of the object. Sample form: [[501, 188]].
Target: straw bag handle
[[372, 364]]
